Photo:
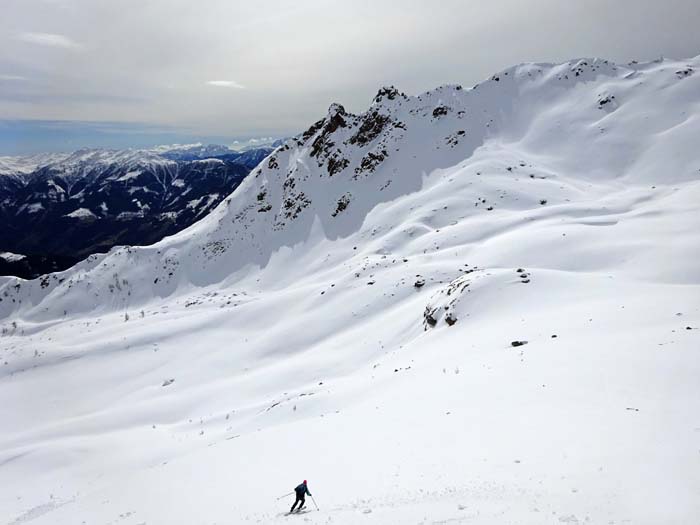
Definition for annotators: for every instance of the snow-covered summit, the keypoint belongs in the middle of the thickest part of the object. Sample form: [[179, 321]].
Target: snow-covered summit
[[255, 143], [24, 165], [163, 155], [193, 151], [88, 162]]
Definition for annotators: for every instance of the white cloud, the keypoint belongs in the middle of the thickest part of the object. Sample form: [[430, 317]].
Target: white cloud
[[49, 39], [12, 77], [225, 83]]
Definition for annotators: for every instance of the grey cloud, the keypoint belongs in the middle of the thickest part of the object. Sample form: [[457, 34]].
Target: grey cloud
[[294, 59], [70, 98]]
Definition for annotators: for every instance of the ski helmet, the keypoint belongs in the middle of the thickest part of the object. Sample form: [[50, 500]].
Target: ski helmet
[[304, 482]]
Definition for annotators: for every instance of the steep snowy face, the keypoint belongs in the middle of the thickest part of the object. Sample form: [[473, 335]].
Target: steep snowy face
[[530, 136]]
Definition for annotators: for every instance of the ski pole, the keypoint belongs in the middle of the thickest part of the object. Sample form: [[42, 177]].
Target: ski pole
[[289, 494], [312, 499]]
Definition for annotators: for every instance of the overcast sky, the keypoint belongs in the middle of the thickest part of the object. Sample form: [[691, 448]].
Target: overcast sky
[[156, 70]]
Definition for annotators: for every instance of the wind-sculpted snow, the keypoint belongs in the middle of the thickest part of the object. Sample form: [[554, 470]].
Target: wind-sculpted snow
[[477, 305]]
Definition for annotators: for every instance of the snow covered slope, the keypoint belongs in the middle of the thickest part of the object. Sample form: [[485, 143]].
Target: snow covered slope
[[473, 306]]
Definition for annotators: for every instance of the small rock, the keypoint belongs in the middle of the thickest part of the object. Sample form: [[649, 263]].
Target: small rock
[[518, 343]]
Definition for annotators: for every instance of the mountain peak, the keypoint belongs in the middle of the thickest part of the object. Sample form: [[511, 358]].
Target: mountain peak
[[387, 93], [335, 109]]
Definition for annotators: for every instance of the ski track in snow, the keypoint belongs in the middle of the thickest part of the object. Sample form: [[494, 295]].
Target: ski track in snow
[[469, 306]]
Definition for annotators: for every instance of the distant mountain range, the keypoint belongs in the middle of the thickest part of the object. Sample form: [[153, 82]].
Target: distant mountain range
[[58, 208]]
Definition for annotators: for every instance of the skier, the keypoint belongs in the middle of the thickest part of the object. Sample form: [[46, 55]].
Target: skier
[[301, 490]]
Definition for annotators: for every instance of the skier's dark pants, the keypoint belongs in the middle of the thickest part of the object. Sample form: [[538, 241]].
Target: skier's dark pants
[[299, 498]]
